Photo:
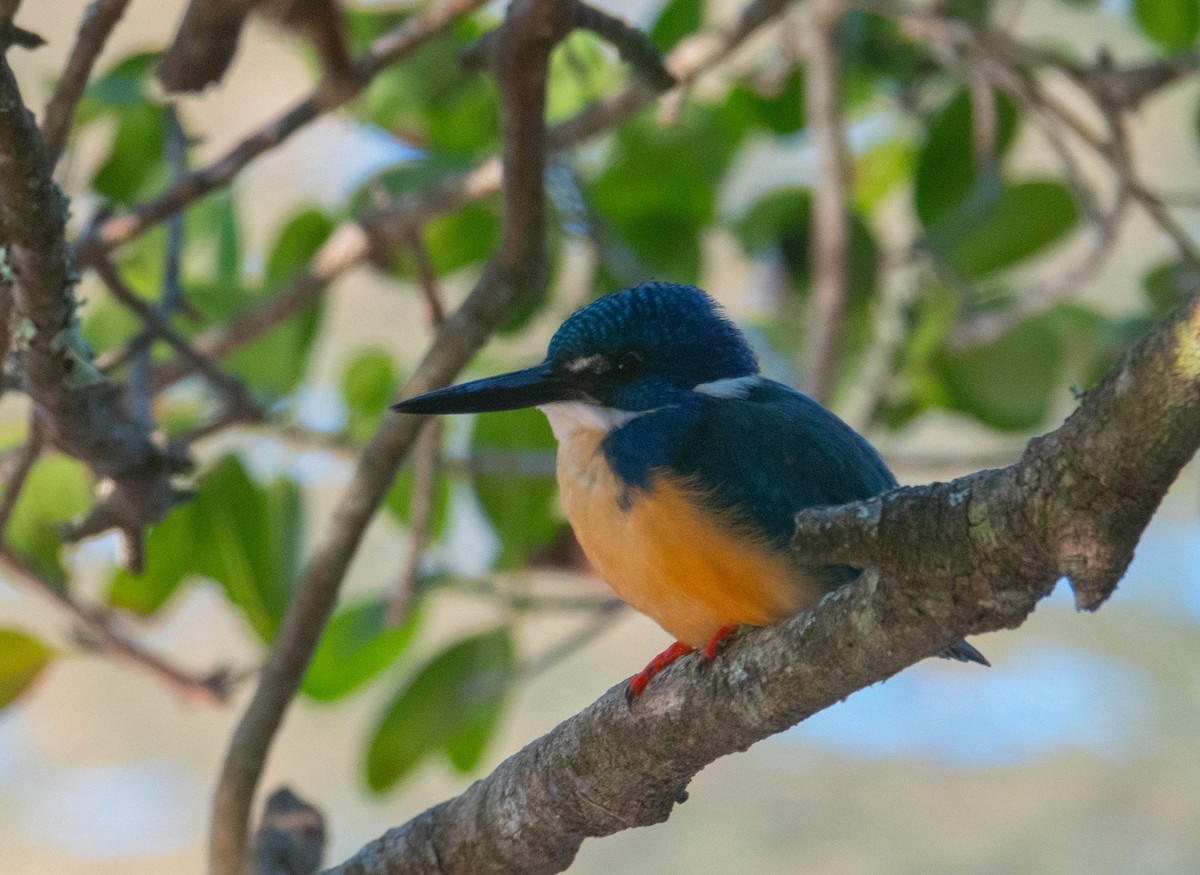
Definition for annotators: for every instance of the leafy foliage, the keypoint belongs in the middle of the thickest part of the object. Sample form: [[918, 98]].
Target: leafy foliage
[[244, 536], [938, 188], [22, 659], [451, 705]]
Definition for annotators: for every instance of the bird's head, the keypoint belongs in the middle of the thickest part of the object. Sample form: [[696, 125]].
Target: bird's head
[[633, 350]]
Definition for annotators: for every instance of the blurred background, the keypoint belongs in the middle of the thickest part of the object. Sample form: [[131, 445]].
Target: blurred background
[[963, 333]]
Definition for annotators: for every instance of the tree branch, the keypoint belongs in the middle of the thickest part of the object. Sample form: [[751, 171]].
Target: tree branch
[[386, 50], [961, 558], [96, 628], [77, 410], [533, 28], [830, 226], [94, 29]]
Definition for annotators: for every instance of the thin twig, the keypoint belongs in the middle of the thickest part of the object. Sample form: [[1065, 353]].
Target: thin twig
[[830, 226], [387, 50], [95, 27], [231, 389], [98, 630], [593, 627], [22, 464], [426, 455]]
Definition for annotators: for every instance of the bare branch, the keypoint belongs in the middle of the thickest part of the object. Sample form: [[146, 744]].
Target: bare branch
[[631, 43], [208, 36], [534, 26], [98, 631], [230, 388], [830, 227], [427, 461], [22, 464], [98, 22], [961, 558], [388, 49]]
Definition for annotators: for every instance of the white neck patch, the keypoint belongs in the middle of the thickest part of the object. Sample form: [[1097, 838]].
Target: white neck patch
[[734, 387], [568, 417]]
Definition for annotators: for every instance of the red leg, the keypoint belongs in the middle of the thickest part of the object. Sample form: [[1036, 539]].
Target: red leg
[[637, 683], [710, 650]]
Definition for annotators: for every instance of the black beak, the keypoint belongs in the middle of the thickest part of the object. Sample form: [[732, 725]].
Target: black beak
[[527, 388]]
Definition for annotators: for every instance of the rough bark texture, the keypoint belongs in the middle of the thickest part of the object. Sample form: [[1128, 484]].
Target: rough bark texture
[[77, 410], [953, 559]]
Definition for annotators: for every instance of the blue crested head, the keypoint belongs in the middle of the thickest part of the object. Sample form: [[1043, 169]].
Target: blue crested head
[[631, 350], [640, 343]]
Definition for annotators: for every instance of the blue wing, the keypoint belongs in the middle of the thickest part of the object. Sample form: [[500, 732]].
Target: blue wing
[[762, 456]]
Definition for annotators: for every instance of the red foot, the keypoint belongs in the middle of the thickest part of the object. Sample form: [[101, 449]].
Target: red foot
[[710, 650], [637, 683]]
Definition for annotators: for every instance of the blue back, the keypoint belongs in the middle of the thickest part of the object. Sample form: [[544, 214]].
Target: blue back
[[760, 458]]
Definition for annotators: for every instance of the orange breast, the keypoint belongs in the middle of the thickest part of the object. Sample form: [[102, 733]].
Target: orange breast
[[684, 567]]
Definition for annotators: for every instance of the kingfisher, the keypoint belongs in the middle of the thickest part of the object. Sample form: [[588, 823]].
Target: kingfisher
[[681, 468]]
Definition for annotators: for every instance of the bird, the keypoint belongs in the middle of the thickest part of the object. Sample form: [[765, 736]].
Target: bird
[[681, 468]]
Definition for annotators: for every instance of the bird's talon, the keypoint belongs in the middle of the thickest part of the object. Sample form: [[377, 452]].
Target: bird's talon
[[637, 683], [710, 651]]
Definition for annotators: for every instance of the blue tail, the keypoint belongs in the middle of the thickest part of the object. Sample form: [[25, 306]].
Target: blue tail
[[964, 652]]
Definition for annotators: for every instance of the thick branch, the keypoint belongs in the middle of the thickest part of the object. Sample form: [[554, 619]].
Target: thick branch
[[533, 27], [78, 411], [967, 557]]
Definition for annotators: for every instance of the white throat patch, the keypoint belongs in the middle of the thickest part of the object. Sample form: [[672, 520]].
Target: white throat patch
[[568, 417]]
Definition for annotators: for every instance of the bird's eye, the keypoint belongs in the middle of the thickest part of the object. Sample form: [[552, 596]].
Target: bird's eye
[[628, 362]]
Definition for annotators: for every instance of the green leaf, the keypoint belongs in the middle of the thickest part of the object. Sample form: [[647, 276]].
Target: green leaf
[[120, 87], [22, 659], [946, 172], [247, 538], [398, 501], [461, 239], [1168, 285], [171, 555], [1007, 384], [356, 646], [363, 25], [134, 161], [780, 112], [783, 220], [880, 170], [431, 102], [658, 191], [57, 489], [229, 241], [1173, 24], [877, 55], [678, 19], [521, 509], [452, 704], [368, 385], [581, 72], [295, 246], [1025, 220]]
